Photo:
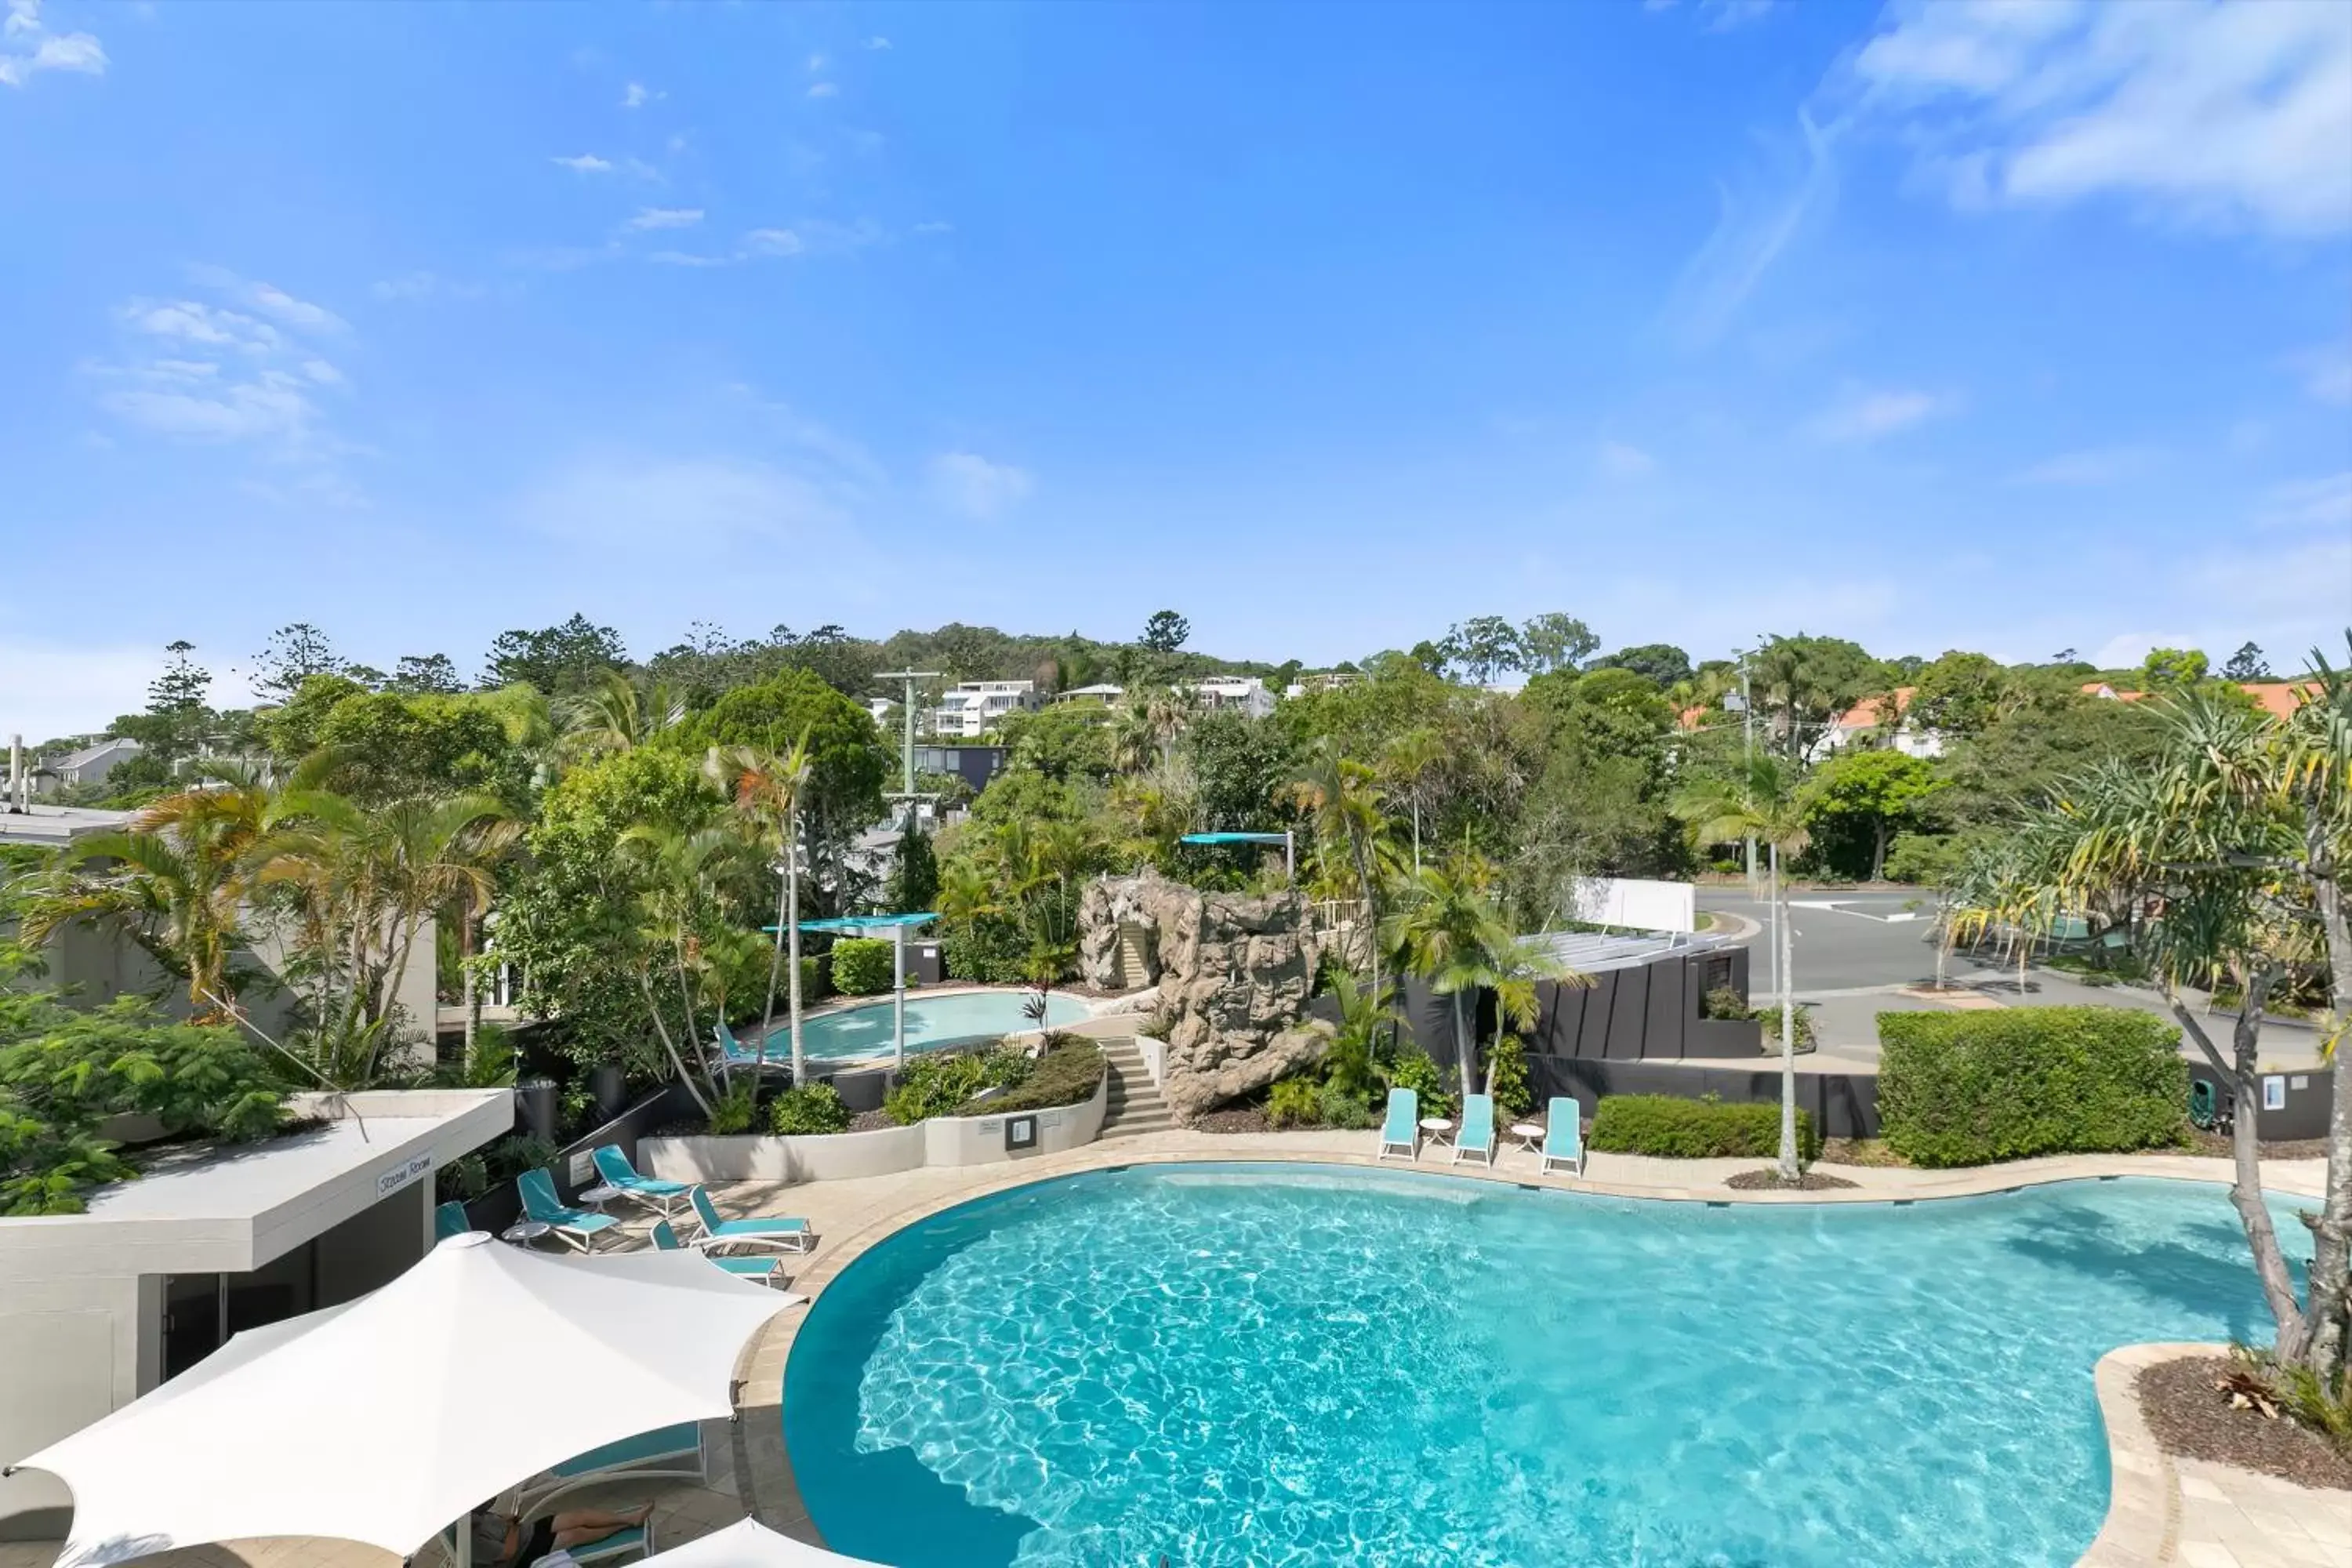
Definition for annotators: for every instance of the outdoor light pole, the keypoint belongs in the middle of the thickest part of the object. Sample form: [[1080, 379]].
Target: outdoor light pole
[[898, 995]]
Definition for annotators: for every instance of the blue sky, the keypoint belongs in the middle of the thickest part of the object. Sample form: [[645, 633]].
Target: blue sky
[[2013, 329]]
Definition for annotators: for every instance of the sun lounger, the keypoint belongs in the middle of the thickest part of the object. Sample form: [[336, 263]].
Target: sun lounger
[[614, 1168], [760, 1231], [636, 1541], [766, 1267], [665, 1453], [1564, 1135], [450, 1219], [578, 1227], [1401, 1134], [1477, 1139]]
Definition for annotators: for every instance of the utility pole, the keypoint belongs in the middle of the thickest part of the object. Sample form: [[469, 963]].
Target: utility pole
[[906, 753], [1748, 727]]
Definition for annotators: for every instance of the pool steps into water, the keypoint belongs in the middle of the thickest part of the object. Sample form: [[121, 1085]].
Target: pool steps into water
[[1134, 1104]]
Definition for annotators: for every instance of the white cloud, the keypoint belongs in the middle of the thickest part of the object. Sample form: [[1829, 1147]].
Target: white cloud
[[637, 95], [817, 63], [2320, 503], [27, 47], [585, 163], [1755, 222], [664, 217], [878, 42], [1865, 416], [688, 259], [193, 370], [2127, 649], [1619, 460], [2218, 114], [2326, 372], [425, 286], [772, 242], [976, 487], [1723, 15], [823, 89], [2093, 466], [707, 503]]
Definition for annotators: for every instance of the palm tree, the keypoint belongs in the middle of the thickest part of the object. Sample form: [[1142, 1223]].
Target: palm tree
[[1344, 804], [1761, 801], [616, 715], [681, 872], [1447, 933], [765, 786], [1409, 759], [176, 881], [363, 882]]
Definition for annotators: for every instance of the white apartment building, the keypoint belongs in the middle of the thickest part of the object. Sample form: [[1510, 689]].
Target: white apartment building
[[972, 709], [1243, 694]]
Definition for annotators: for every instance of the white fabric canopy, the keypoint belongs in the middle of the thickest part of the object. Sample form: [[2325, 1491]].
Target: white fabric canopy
[[387, 1418], [748, 1544]]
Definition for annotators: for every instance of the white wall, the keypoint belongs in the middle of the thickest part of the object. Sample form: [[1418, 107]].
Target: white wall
[[1638, 904], [950, 1140], [71, 1351]]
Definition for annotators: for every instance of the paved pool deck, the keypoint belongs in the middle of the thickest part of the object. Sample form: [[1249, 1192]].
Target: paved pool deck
[[2165, 1512]]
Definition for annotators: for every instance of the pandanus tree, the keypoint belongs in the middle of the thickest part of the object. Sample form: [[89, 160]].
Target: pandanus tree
[[175, 881], [764, 787], [1761, 801], [2237, 840]]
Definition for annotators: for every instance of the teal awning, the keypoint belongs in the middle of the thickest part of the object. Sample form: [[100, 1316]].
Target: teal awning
[[1236, 838], [865, 922]]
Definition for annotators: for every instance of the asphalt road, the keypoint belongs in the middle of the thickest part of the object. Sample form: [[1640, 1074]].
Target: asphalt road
[[1841, 941]]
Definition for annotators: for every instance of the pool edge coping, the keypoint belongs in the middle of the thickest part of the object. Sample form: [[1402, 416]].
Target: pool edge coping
[[765, 1468]]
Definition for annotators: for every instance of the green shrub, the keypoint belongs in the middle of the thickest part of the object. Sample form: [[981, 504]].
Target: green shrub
[[1969, 1089], [1414, 1071], [1514, 1094], [1342, 1107], [861, 966], [808, 1108], [1294, 1102], [1672, 1127], [992, 950], [1069, 1072], [1005, 1066], [732, 1112], [934, 1086], [1722, 1002]]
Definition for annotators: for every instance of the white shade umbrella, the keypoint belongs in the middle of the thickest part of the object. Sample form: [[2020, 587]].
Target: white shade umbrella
[[748, 1544], [387, 1418]]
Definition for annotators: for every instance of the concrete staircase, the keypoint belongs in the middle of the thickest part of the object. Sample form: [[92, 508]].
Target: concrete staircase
[[1134, 1105]]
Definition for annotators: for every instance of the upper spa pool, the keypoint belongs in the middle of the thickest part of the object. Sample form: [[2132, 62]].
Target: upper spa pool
[[1235, 1364], [934, 1022]]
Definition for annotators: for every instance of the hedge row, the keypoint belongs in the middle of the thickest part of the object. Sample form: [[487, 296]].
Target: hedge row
[[1677, 1129], [1971, 1088]]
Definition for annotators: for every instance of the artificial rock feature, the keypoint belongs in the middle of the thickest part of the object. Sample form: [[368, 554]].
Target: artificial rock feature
[[1234, 972]]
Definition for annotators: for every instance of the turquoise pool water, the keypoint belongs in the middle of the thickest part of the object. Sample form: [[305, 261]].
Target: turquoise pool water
[[1307, 1365], [934, 1022]]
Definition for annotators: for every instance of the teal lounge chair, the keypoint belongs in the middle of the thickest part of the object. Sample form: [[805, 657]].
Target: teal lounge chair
[[1564, 1135], [614, 1168], [762, 1231], [578, 1227], [767, 1269], [450, 1219], [1401, 1134], [1477, 1139], [665, 1453]]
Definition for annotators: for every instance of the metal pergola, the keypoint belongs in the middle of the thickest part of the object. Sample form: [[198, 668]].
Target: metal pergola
[[1290, 849]]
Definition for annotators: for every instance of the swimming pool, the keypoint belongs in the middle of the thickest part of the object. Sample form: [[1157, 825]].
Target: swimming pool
[[934, 1022], [1238, 1364]]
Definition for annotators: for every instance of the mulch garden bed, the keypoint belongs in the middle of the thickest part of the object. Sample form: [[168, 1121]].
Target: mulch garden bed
[[1768, 1181], [2218, 1145], [869, 1121], [2190, 1418], [1238, 1119]]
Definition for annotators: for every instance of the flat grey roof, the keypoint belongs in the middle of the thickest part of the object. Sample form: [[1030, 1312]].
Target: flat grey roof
[[55, 827], [1594, 952], [231, 1207]]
